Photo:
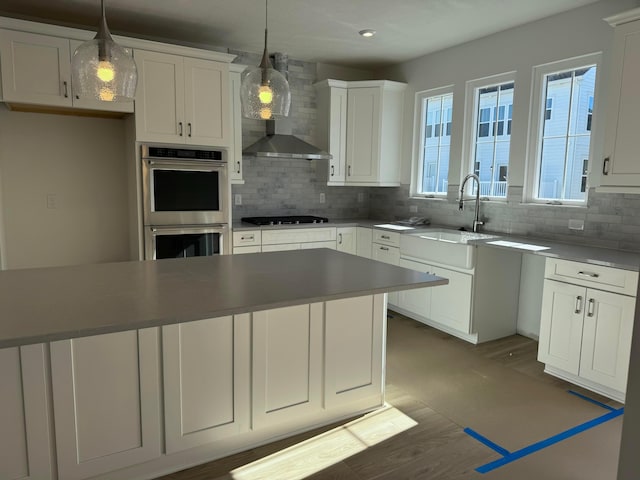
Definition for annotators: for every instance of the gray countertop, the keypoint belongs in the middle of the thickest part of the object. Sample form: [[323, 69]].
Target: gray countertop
[[579, 253], [47, 304]]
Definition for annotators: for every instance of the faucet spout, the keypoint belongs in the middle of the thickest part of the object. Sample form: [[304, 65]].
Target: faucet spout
[[476, 218]]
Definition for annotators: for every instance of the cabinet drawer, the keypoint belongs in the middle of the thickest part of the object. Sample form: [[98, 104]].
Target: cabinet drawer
[[247, 238], [298, 235], [386, 254], [388, 238], [595, 276]]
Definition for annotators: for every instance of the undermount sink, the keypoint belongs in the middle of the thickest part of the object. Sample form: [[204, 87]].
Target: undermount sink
[[447, 247]]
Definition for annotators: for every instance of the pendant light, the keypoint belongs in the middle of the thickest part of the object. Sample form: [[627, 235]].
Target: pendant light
[[264, 92], [102, 69]]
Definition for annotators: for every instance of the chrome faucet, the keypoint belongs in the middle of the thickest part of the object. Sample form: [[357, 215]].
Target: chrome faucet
[[476, 218]]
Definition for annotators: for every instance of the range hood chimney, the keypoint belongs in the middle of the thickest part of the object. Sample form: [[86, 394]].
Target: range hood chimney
[[279, 142]]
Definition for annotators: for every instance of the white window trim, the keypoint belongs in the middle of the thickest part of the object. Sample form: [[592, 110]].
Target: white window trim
[[536, 112], [470, 118], [418, 133]]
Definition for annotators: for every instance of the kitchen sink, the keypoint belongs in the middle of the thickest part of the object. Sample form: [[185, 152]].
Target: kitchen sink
[[447, 247]]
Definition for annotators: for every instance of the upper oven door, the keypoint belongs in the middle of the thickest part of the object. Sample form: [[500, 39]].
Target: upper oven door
[[182, 192]]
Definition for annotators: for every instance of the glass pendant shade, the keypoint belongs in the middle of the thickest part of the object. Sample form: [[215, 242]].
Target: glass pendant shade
[[264, 91], [103, 70], [264, 94]]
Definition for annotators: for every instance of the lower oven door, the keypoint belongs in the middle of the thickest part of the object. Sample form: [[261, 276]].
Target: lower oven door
[[185, 241]]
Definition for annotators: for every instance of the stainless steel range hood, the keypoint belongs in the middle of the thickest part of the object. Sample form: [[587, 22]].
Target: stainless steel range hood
[[278, 141]]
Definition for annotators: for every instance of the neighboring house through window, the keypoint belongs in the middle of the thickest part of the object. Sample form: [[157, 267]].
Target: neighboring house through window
[[559, 158], [434, 109], [490, 105]]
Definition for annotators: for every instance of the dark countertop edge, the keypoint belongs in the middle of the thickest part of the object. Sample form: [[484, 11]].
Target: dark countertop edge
[[607, 257]]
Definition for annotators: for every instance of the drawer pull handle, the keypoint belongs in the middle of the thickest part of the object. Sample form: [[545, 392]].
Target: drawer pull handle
[[590, 310], [386, 237], [384, 248], [589, 274], [332, 170], [248, 237], [66, 89], [578, 304], [238, 162], [180, 128], [340, 238]]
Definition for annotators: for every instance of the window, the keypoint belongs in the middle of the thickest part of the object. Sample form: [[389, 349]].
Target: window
[[434, 109], [490, 104], [561, 156]]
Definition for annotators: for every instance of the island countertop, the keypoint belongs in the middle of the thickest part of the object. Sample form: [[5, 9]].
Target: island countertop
[[56, 303]]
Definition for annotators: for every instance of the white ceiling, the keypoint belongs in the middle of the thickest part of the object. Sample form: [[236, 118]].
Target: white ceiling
[[312, 30]]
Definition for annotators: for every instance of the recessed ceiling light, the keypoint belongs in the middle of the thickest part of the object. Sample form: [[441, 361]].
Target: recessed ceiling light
[[367, 33]]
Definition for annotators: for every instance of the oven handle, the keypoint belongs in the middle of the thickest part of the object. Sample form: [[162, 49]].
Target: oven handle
[[186, 163], [185, 229]]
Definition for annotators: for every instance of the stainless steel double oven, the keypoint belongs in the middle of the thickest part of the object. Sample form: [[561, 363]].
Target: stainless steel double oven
[[185, 201]]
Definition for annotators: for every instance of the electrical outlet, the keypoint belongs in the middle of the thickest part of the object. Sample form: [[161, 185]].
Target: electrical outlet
[[237, 199], [576, 224], [413, 208], [322, 198], [360, 197], [52, 201]]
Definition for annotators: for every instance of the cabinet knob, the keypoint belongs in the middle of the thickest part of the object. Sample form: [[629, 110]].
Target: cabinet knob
[[605, 166]]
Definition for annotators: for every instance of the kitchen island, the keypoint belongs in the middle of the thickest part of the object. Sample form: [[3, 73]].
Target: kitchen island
[[136, 369]]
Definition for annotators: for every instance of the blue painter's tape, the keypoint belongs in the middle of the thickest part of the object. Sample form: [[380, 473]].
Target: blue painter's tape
[[482, 439], [512, 457], [588, 399]]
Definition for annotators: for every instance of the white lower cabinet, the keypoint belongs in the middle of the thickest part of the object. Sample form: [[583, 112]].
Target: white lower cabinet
[[449, 305], [364, 240], [585, 333], [346, 239], [106, 396], [385, 248], [25, 436], [354, 333], [206, 371], [287, 354]]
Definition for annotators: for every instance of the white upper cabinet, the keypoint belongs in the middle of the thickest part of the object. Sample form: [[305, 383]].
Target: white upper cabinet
[[360, 124], [36, 70], [621, 165], [182, 100]]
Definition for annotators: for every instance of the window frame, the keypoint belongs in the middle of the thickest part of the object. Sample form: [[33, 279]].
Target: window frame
[[471, 125], [417, 164], [536, 113]]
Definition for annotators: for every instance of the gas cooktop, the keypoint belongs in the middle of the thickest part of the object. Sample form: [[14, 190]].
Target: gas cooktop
[[285, 220]]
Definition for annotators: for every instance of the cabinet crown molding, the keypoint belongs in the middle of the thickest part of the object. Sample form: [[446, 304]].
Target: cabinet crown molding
[[624, 17], [387, 84]]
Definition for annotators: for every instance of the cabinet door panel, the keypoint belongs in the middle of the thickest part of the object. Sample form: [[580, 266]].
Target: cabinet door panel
[[606, 339], [364, 239], [106, 396], [346, 240], [206, 380], [417, 300], [354, 332], [287, 355], [25, 451], [338, 134], [207, 102], [561, 324], [363, 118], [160, 98], [451, 303], [35, 68]]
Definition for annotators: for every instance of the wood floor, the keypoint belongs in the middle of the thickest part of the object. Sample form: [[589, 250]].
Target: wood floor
[[435, 447]]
